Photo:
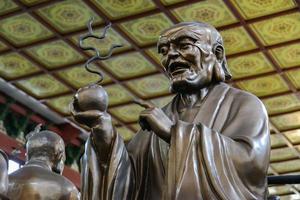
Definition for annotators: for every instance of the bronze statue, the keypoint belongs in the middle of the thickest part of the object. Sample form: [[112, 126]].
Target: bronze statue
[[3, 174], [40, 178], [210, 142]]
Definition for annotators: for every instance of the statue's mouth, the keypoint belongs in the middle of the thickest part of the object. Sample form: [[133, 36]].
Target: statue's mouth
[[178, 68]]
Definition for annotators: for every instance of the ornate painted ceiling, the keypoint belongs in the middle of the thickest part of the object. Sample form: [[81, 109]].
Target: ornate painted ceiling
[[39, 54]]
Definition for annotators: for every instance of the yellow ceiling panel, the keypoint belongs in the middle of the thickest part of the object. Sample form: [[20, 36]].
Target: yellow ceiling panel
[[237, 40], [117, 94], [129, 65], [55, 54], [79, 77], [270, 172], [146, 30], [294, 77], [297, 148], [136, 127], [282, 103], [111, 38], [293, 136], [42, 86], [7, 6], [118, 9], [265, 85], [249, 65], [152, 52], [287, 56], [125, 133], [3, 46], [128, 113], [277, 141], [278, 29], [280, 190], [254, 8], [169, 2], [150, 86], [287, 166], [23, 29], [282, 154], [13, 65], [162, 101], [214, 12], [61, 104], [287, 121], [68, 15], [32, 2]]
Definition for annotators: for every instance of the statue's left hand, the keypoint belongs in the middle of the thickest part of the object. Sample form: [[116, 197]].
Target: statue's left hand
[[156, 120]]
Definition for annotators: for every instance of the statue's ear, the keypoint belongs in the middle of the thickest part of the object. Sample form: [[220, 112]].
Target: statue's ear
[[219, 73], [218, 50]]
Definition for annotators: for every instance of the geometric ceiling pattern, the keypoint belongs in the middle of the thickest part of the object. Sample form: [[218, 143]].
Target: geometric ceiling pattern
[[39, 54]]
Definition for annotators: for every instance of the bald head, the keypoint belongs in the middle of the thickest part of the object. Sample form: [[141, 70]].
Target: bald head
[[47, 145]]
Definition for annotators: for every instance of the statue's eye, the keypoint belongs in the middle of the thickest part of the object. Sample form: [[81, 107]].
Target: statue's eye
[[163, 50], [184, 46]]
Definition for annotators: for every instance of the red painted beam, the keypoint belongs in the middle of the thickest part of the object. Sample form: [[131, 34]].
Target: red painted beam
[[72, 175], [68, 132], [9, 144]]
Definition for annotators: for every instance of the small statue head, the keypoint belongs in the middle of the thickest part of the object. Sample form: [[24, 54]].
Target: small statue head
[[47, 146], [92, 97], [193, 56]]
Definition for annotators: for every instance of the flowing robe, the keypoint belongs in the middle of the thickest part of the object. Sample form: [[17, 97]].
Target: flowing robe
[[221, 151]]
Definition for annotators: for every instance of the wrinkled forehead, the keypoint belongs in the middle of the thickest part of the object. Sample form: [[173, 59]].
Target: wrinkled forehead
[[194, 32]]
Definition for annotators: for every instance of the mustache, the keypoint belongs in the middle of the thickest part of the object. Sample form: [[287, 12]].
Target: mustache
[[177, 63]]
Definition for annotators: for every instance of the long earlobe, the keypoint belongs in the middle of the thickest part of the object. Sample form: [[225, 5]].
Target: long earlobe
[[218, 72]]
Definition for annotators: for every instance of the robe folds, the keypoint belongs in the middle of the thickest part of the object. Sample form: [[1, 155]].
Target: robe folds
[[220, 153]]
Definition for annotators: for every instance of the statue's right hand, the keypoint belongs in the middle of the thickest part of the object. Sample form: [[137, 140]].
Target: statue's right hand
[[96, 120], [101, 126], [88, 118]]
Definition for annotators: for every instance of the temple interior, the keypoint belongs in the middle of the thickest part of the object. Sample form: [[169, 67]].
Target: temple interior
[[42, 66]]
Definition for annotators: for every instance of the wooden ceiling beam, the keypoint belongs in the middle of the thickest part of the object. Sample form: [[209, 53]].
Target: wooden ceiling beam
[[132, 42], [37, 63], [84, 54], [23, 8], [164, 10], [282, 71], [261, 47], [283, 113]]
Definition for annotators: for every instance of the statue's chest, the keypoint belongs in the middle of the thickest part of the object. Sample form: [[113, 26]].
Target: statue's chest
[[188, 114]]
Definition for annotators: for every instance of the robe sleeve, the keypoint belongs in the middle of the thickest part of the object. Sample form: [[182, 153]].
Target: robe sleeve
[[113, 180], [230, 163]]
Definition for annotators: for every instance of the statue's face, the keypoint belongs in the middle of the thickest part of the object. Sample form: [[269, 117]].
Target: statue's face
[[182, 61]]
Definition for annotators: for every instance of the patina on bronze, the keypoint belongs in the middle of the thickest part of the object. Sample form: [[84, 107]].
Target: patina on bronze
[[3, 174], [210, 142], [40, 178]]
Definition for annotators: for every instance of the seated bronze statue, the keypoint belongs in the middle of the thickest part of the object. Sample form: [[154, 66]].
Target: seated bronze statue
[[3, 174], [210, 142], [40, 178]]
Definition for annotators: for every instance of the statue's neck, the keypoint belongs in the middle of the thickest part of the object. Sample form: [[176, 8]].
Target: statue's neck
[[40, 162], [189, 100]]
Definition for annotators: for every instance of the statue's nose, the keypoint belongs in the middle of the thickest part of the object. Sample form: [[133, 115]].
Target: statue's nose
[[173, 52]]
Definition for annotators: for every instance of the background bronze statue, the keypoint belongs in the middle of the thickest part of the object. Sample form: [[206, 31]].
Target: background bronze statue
[[40, 178], [3, 174], [210, 142]]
